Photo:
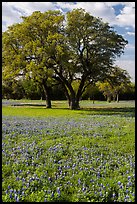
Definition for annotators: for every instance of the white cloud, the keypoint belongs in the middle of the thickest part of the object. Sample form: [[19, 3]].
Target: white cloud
[[29, 7], [106, 11], [66, 5], [127, 17], [11, 11], [131, 33], [98, 9], [128, 65], [132, 4], [130, 46], [113, 3], [9, 15]]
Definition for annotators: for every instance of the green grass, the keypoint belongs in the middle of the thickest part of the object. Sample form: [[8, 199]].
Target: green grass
[[88, 154], [59, 108]]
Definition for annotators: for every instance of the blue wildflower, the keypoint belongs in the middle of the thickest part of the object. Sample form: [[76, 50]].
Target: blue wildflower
[[119, 182], [58, 191], [129, 177]]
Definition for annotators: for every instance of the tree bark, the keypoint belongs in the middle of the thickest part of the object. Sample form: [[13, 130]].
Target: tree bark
[[93, 100], [109, 99], [117, 98], [47, 95], [114, 97], [74, 104]]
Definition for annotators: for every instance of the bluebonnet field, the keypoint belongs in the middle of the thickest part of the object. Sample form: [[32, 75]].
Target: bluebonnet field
[[85, 158]]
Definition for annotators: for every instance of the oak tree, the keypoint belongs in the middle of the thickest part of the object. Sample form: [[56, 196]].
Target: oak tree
[[49, 47]]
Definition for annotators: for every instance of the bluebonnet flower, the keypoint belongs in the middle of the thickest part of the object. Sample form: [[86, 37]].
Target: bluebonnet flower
[[15, 196], [119, 182], [23, 193], [58, 191], [114, 194], [127, 196], [129, 183], [133, 194], [52, 194], [121, 186], [101, 194], [17, 199], [80, 160], [50, 180], [127, 191], [129, 177], [79, 181], [6, 191]]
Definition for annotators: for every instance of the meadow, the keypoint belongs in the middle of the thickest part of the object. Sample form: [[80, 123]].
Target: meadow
[[58, 154]]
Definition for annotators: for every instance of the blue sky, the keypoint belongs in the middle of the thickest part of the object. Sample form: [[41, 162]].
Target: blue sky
[[120, 15]]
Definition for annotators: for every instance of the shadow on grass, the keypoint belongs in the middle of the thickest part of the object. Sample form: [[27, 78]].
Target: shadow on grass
[[28, 104], [125, 111], [37, 104]]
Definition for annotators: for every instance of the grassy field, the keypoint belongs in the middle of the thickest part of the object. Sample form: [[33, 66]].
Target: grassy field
[[57, 154]]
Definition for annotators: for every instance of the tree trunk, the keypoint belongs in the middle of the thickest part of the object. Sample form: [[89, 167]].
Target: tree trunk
[[114, 98], [48, 103], [73, 99], [74, 105], [109, 99], [93, 99], [47, 95], [117, 98]]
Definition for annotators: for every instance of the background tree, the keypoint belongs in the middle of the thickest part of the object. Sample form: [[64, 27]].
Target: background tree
[[106, 89], [128, 93], [32, 90], [93, 93], [117, 82]]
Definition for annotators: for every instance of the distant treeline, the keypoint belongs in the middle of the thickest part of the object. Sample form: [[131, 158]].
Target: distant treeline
[[32, 91]]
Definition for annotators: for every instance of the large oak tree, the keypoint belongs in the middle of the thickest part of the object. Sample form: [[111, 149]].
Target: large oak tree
[[51, 47], [25, 47]]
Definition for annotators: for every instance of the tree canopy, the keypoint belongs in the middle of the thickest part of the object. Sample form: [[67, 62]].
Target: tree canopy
[[52, 48], [117, 82]]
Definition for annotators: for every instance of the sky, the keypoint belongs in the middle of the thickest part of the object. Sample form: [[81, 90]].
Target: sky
[[119, 15]]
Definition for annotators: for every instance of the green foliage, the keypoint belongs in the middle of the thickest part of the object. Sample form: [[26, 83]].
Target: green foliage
[[47, 51], [117, 82], [31, 89]]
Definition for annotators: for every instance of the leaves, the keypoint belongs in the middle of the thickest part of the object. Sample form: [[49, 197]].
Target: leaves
[[44, 43]]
